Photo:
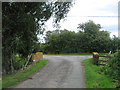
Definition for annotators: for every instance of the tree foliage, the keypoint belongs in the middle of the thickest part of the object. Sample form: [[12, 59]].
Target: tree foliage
[[22, 22], [89, 39]]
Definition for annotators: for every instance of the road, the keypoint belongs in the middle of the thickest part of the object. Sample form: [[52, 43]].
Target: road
[[62, 71]]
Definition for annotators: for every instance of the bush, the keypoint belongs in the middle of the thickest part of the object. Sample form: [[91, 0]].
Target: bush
[[18, 62], [113, 68]]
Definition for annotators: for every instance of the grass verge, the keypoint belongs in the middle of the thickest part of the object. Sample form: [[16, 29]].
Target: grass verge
[[13, 79], [94, 78]]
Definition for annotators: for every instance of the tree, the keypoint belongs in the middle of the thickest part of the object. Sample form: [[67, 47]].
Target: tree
[[102, 42], [96, 40], [61, 41], [115, 44], [48, 34], [89, 39], [22, 22], [89, 27]]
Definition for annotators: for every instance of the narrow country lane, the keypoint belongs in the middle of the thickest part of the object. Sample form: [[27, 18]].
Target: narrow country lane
[[62, 71]]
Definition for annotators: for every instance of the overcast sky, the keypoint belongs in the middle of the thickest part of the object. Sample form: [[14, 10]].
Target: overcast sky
[[104, 12]]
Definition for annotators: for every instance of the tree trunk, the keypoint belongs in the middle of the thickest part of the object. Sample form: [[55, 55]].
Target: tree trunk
[[12, 67], [29, 57]]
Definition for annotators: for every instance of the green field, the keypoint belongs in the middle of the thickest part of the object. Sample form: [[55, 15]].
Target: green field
[[13, 79], [94, 77]]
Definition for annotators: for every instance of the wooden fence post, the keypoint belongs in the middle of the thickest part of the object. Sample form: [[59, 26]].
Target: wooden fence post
[[95, 58]]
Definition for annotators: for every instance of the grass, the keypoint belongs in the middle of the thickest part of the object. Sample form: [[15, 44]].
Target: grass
[[94, 78], [13, 79], [72, 54]]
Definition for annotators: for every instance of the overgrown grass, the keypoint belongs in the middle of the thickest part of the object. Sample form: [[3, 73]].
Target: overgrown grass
[[72, 54], [13, 79], [94, 77]]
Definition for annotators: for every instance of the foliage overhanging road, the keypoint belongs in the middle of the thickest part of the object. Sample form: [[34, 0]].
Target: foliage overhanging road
[[62, 71]]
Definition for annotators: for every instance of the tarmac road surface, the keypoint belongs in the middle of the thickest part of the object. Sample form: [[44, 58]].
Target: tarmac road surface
[[62, 71]]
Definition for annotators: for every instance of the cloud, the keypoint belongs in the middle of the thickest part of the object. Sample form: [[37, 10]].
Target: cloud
[[114, 33], [102, 12], [94, 8], [104, 21]]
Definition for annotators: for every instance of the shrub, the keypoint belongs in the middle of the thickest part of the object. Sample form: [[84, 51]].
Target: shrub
[[18, 62], [113, 68]]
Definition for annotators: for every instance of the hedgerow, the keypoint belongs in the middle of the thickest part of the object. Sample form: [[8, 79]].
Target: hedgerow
[[113, 69]]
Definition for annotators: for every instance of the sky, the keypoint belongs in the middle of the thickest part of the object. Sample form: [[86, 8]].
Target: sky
[[103, 12]]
